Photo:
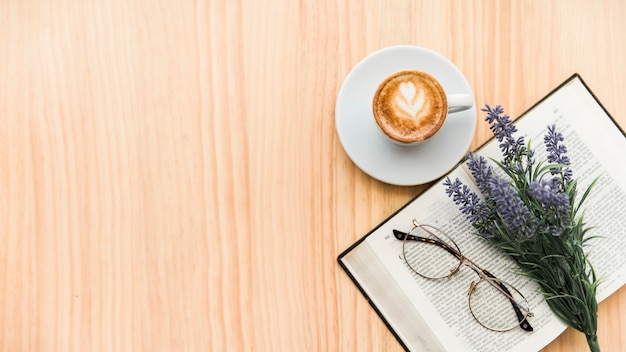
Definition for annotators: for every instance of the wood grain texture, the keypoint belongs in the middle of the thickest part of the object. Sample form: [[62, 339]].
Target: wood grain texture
[[170, 175]]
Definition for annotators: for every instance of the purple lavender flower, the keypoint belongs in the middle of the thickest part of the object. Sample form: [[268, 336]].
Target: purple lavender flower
[[556, 152], [469, 202], [503, 129], [555, 203], [514, 212], [481, 172], [542, 205], [499, 124], [460, 193], [532, 215], [547, 193]]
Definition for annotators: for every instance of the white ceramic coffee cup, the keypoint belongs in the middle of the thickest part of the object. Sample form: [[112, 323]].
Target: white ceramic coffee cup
[[410, 106]]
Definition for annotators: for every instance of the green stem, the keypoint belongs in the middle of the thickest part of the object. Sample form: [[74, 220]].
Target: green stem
[[592, 341]]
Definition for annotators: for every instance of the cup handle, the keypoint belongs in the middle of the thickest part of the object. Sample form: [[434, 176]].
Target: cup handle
[[459, 102]]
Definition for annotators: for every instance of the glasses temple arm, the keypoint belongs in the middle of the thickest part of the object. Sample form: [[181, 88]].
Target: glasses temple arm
[[524, 324], [403, 236]]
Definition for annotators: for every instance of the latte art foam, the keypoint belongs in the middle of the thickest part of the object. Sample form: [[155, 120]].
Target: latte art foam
[[410, 102], [410, 106]]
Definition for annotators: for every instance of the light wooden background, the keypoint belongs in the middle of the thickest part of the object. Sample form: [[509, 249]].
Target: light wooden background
[[171, 179]]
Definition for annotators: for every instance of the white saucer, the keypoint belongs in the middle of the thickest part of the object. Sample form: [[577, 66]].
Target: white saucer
[[373, 152]]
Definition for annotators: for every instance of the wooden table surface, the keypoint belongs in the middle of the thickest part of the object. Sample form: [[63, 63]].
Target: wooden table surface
[[171, 178]]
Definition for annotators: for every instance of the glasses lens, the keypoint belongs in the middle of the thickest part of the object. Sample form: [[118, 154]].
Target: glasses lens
[[430, 253], [493, 303]]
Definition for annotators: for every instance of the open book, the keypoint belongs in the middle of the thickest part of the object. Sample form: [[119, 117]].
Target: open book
[[433, 315]]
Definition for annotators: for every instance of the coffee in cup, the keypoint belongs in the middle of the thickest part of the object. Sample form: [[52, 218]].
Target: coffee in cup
[[410, 106]]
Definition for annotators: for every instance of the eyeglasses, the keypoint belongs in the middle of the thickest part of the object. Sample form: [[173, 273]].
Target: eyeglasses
[[494, 304]]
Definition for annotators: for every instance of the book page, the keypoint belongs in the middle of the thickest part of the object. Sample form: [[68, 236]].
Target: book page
[[437, 311], [443, 304]]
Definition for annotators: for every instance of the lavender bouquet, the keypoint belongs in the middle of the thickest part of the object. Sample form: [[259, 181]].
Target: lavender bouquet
[[531, 212]]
